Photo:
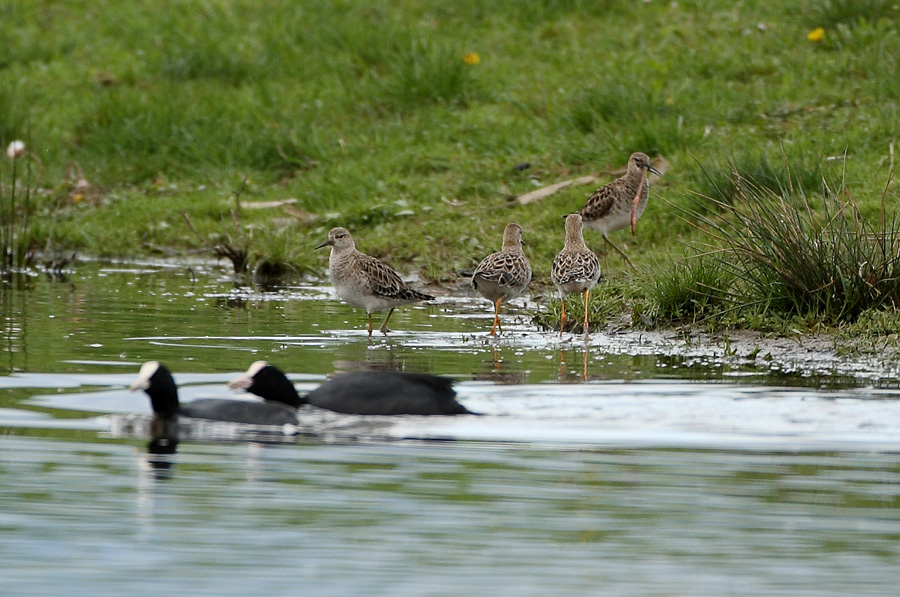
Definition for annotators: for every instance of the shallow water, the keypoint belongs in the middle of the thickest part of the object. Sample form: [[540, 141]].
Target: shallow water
[[669, 472]]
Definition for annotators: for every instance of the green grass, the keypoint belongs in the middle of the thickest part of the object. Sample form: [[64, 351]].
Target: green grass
[[368, 116], [785, 252], [692, 290], [830, 13], [781, 171], [607, 301]]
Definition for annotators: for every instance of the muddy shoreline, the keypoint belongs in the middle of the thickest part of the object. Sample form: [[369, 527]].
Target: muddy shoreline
[[808, 355], [874, 359]]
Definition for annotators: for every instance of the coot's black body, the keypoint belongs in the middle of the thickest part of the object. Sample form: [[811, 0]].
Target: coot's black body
[[156, 380], [360, 392], [387, 393]]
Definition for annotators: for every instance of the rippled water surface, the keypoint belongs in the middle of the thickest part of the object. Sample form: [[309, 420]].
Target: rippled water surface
[[620, 468]]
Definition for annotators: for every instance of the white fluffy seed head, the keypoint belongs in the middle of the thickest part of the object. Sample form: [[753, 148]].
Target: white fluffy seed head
[[15, 149]]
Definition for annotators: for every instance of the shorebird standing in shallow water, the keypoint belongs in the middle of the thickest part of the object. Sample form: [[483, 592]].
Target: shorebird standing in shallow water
[[364, 281], [621, 202], [575, 269], [504, 275]]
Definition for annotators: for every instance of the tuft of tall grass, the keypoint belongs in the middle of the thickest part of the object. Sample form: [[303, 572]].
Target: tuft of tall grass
[[786, 254]]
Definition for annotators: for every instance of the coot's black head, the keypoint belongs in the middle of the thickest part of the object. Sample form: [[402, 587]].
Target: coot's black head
[[158, 383], [269, 383]]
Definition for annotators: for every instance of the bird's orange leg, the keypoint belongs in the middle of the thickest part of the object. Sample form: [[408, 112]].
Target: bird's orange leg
[[384, 327], [496, 325], [562, 317], [587, 297]]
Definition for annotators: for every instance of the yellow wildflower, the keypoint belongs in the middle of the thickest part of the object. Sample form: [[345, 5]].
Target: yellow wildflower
[[816, 34], [472, 58]]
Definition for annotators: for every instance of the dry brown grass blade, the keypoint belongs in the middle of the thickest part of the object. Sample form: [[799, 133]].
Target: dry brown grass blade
[[307, 217], [266, 204], [539, 194]]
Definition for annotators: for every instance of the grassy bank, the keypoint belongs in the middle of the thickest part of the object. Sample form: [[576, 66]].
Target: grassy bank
[[413, 124]]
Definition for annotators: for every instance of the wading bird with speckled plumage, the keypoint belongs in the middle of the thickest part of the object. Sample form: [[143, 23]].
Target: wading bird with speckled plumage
[[575, 269], [364, 281], [620, 203], [504, 275]]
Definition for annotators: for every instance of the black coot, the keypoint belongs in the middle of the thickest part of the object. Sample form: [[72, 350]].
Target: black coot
[[359, 392], [156, 380]]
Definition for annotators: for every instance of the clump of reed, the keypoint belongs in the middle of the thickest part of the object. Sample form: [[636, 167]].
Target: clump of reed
[[20, 177], [784, 252]]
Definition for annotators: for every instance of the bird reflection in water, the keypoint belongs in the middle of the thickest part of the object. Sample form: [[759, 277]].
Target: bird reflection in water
[[498, 374], [565, 376], [162, 445]]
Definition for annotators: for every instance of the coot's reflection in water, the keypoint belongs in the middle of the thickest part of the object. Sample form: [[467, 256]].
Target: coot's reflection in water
[[160, 457]]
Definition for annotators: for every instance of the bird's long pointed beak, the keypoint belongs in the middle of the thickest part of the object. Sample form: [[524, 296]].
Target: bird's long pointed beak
[[654, 170], [327, 243]]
